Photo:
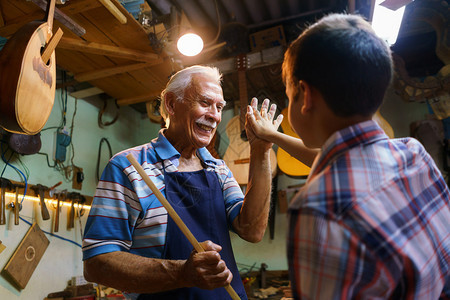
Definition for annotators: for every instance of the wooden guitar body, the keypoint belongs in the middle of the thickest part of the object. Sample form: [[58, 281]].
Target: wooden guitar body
[[293, 167], [377, 117], [27, 83], [237, 155], [287, 163], [238, 150]]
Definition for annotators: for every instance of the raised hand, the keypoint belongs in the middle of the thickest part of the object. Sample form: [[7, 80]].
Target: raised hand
[[261, 124]]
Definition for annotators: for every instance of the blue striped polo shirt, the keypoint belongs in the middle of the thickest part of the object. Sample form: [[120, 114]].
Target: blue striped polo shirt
[[126, 215]]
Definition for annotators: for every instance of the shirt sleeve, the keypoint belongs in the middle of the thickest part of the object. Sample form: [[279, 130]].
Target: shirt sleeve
[[234, 198], [327, 261], [232, 193], [113, 214]]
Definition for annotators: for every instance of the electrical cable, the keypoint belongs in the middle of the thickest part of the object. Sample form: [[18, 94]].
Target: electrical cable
[[25, 178], [71, 130], [52, 234], [6, 162], [63, 101], [48, 162], [99, 155], [25, 168], [101, 123]]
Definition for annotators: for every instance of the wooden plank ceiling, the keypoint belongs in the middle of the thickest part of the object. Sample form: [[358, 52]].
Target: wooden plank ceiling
[[113, 57]]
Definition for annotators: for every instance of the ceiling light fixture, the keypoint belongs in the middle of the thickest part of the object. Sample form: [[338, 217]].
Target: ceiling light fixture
[[190, 44]]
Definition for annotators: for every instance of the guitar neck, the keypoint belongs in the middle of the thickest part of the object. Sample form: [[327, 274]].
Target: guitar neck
[[242, 79], [49, 14], [242, 97]]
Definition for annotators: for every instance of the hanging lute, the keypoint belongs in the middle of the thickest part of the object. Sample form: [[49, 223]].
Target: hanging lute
[[28, 76]]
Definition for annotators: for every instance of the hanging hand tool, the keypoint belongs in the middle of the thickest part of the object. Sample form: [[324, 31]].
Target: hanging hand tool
[[60, 197], [71, 220], [39, 189], [58, 201], [52, 189], [17, 206], [5, 184], [74, 197]]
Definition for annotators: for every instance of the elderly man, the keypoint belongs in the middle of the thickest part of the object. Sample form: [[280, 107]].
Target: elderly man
[[131, 244]]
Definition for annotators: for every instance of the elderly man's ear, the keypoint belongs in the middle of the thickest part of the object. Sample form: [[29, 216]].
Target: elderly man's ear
[[169, 102]]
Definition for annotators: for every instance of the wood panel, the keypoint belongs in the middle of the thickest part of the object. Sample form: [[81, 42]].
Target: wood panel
[[27, 256]]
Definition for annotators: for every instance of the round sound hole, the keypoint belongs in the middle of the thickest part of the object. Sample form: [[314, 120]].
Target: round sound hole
[[30, 253]]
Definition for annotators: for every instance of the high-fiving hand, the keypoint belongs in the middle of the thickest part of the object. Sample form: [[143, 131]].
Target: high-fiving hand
[[261, 124]]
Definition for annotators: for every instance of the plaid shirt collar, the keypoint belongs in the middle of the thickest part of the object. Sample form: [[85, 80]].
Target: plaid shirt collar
[[341, 141]]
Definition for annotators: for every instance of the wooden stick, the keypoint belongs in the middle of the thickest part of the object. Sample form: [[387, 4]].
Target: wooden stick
[[50, 47], [62, 17], [173, 214]]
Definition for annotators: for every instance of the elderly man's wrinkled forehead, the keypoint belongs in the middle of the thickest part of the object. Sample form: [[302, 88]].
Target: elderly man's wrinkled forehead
[[205, 87]]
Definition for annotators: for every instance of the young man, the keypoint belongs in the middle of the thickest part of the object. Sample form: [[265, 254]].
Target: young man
[[372, 221], [131, 244]]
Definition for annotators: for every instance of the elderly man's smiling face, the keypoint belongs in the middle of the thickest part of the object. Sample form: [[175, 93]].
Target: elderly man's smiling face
[[199, 113]]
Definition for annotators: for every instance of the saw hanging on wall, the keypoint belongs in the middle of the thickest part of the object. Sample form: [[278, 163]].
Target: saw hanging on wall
[[28, 76]]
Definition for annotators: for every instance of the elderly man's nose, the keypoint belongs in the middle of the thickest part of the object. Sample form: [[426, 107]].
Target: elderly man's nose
[[214, 113]]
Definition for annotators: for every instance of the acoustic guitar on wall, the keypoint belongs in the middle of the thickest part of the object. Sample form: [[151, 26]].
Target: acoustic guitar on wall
[[237, 155], [28, 76], [287, 163]]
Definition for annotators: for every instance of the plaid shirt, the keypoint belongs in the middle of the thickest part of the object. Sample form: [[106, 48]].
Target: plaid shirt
[[372, 221]]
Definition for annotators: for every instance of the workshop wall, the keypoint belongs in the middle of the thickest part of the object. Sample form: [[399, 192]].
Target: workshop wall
[[62, 259]]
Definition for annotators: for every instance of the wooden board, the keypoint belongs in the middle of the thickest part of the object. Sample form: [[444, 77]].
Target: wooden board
[[27, 256]]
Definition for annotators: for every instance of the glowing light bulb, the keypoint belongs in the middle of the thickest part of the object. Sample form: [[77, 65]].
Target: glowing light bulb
[[190, 44]]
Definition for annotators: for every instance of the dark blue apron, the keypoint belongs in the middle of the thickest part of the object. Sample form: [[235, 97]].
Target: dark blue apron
[[197, 198]]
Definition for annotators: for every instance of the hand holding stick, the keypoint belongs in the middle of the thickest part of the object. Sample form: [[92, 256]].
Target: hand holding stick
[[173, 214]]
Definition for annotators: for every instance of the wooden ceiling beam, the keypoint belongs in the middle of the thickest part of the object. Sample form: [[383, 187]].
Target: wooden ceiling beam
[[10, 27], [114, 11], [107, 50], [138, 99], [79, 6], [82, 94], [87, 76]]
